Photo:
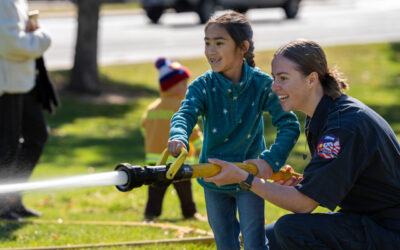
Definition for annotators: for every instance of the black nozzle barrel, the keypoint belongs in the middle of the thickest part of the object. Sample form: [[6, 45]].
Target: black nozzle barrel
[[150, 175]]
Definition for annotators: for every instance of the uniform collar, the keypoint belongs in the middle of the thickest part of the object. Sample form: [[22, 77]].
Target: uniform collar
[[235, 89], [316, 123]]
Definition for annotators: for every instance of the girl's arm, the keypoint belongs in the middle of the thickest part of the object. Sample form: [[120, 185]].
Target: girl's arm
[[184, 120], [288, 131]]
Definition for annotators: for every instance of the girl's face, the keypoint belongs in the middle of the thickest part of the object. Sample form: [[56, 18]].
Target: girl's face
[[290, 85], [222, 53]]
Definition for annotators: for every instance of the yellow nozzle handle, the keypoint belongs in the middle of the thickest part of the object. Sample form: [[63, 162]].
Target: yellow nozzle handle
[[164, 157], [175, 165], [209, 169]]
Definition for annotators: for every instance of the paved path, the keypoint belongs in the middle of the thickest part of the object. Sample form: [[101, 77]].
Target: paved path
[[129, 37]]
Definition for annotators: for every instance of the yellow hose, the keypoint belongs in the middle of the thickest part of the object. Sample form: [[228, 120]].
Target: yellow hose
[[209, 169]]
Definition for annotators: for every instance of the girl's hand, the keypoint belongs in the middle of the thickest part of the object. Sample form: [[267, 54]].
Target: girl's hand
[[175, 147], [264, 169], [229, 173]]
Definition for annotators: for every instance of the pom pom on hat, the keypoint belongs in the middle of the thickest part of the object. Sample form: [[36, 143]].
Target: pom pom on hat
[[170, 73]]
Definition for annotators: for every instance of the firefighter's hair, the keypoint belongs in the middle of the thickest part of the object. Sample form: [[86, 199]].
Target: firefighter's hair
[[309, 57]]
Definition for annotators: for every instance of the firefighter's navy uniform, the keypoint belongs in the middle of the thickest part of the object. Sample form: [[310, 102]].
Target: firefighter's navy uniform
[[355, 166]]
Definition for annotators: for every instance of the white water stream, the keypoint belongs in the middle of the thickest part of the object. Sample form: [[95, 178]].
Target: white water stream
[[101, 179]]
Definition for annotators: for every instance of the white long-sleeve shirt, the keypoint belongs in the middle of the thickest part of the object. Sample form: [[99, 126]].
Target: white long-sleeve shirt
[[18, 49]]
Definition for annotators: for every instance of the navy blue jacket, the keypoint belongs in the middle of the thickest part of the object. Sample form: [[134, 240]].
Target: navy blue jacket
[[355, 160]]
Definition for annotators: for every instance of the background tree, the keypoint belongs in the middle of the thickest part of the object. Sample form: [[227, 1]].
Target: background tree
[[85, 75]]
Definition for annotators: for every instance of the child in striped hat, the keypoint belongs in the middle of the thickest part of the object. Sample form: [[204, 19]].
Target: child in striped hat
[[173, 79]]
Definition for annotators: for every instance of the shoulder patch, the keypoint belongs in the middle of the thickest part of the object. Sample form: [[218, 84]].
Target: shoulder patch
[[329, 147]]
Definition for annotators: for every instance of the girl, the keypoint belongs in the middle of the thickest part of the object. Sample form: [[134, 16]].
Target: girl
[[354, 165], [231, 99]]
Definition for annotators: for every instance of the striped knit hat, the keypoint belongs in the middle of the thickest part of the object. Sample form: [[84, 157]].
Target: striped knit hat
[[170, 73]]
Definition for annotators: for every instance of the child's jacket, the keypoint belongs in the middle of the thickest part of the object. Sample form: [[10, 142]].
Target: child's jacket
[[155, 125], [232, 117]]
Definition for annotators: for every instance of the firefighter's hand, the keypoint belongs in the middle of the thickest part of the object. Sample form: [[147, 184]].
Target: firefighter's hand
[[175, 146], [229, 173], [292, 181], [264, 169]]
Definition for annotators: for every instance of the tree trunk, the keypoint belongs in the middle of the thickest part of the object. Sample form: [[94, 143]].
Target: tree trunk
[[85, 75]]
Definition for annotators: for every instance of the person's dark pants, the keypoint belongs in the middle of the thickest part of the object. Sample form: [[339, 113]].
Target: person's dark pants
[[330, 231], [23, 134], [156, 196]]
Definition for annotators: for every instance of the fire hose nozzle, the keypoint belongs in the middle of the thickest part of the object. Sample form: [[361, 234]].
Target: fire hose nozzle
[[133, 173], [150, 175]]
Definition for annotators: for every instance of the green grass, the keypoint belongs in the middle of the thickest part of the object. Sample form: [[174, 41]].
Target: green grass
[[90, 138]]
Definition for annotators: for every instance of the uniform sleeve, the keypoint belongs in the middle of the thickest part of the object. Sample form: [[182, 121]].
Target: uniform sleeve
[[183, 121], [16, 44], [340, 159], [288, 131]]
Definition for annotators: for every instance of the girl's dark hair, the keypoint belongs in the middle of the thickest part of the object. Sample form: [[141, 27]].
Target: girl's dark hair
[[239, 28], [310, 57]]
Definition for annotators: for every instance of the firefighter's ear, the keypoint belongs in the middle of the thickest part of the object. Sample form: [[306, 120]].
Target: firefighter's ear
[[312, 79]]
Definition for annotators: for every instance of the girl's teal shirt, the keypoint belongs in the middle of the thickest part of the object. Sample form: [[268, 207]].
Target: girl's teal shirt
[[232, 116]]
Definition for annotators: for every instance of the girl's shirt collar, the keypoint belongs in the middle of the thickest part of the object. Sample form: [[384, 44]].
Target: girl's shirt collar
[[229, 88]]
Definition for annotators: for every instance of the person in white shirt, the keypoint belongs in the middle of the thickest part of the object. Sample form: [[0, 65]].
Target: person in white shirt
[[23, 128]]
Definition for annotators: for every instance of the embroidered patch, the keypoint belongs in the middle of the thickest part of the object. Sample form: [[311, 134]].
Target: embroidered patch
[[329, 147]]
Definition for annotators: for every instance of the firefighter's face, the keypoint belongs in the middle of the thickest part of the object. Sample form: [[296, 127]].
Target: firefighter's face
[[289, 84]]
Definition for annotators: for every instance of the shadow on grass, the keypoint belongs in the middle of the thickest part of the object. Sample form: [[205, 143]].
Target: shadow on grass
[[72, 109], [111, 151], [61, 79], [7, 230], [104, 151], [135, 89], [395, 49]]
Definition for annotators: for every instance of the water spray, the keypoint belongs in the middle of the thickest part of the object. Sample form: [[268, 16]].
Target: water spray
[[89, 180]]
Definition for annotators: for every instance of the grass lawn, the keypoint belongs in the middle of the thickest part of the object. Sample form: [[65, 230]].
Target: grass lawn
[[90, 137]]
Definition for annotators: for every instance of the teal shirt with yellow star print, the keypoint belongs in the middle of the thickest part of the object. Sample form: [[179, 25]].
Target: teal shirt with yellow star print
[[232, 116]]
